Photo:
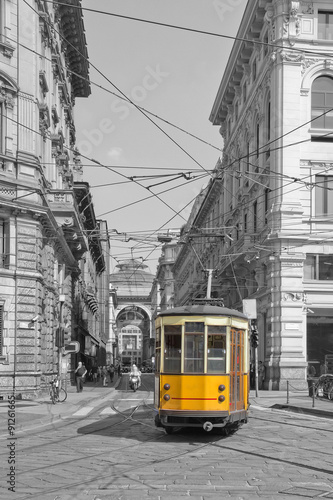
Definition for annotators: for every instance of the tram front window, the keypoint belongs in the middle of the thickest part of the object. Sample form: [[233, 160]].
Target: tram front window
[[194, 347], [216, 349], [172, 348]]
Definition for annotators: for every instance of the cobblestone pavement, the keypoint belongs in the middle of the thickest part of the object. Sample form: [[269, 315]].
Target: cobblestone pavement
[[110, 450]]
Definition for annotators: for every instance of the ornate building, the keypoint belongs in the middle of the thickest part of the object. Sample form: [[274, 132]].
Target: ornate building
[[264, 227], [51, 247], [132, 282]]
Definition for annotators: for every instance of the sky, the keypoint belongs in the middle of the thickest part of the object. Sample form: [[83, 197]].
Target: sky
[[174, 74]]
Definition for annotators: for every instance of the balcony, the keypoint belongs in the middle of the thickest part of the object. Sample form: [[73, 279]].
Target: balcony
[[64, 208]]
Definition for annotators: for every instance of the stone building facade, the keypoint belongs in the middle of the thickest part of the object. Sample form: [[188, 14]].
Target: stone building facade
[[132, 282], [52, 255], [265, 225]]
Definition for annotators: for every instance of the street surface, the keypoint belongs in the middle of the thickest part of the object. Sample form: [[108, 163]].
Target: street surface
[[112, 450]]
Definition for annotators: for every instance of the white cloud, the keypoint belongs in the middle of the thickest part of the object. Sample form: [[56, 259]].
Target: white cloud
[[115, 154]]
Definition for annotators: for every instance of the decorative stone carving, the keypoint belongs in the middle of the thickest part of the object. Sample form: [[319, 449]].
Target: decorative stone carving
[[291, 57], [290, 296], [307, 8], [269, 19], [307, 63], [291, 23], [44, 120]]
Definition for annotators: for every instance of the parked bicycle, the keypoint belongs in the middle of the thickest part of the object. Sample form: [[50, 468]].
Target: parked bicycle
[[57, 394], [324, 387]]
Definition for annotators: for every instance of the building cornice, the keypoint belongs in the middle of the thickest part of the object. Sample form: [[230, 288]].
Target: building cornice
[[74, 45]]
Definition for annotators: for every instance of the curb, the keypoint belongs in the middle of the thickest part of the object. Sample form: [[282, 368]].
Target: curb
[[299, 409]]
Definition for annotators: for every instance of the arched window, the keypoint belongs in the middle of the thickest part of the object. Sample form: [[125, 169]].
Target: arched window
[[322, 102]]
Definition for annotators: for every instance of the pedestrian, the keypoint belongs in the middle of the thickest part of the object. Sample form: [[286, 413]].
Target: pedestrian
[[252, 376], [99, 372], [111, 372], [261, 374], [311, 371], [105, 376], [119, 370], [94, 374], [80, 373]]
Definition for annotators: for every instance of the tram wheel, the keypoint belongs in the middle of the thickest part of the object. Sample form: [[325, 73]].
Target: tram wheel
[[229, 429], [168, 430]]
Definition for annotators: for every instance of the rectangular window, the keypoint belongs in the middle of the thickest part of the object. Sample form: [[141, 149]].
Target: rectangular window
[[1, 329], [4, 243], [318, 267], [267, 191], [325, 25], [257, 140], [194, 353], [324, 195], [158, 350], [194, 347], [255, 217], [216, 349], [172, 348]]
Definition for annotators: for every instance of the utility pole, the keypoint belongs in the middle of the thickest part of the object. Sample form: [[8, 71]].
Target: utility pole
[[250, 310], [61, 343], [209, 283], [254, 343]]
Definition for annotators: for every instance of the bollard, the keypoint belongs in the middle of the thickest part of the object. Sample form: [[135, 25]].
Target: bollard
[[287, 392], [313, 394]]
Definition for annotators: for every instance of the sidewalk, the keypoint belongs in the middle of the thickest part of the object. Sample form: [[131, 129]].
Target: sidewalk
[[41, 411], [299, 402]]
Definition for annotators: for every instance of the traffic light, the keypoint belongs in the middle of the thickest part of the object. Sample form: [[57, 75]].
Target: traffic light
[[254, 337]]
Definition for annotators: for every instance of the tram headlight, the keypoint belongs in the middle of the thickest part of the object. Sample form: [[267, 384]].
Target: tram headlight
[[166, 387], [166, 397], [221, 387], [221, 398]]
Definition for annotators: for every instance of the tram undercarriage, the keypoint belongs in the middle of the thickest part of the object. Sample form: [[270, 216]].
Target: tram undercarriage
[[206, 421]]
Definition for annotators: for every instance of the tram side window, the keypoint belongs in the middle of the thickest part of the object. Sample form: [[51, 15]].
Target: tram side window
[[172, 348], [158, 350], [194, 347], [216, 349]]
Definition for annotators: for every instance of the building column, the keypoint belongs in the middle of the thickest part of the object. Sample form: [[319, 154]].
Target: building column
[[286, 344]]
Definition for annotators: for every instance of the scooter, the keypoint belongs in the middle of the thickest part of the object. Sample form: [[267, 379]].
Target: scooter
[[134, 382]]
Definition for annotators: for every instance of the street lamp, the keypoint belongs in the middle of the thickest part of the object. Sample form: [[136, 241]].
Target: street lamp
[[62, 299]]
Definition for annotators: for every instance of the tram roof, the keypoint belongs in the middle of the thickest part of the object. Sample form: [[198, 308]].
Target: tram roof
[[202, 310]]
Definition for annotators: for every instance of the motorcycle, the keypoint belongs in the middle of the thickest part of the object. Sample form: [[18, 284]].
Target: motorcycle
[[134, 382]]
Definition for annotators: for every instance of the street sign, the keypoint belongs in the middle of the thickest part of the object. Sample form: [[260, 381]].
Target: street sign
[[72, 348], [250, 308]]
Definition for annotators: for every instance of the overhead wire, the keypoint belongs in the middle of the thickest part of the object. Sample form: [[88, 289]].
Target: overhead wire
[[191, 30], [111, 83]]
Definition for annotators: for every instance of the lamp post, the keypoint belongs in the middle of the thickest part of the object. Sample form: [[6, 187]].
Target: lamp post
[[61, 335]]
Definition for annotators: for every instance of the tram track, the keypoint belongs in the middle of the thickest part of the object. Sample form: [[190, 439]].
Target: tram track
[[116, 468], [115, 475], [141, 463], [73, 422]]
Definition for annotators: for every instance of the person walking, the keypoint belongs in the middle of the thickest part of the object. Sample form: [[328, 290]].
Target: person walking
[[111, 372], [80, 373], [105, 376], [94, 374]]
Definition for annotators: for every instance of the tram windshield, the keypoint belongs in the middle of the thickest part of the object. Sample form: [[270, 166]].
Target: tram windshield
[[194, 347], [216, 349]]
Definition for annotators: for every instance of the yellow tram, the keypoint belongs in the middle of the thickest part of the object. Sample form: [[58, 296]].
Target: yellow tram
[[201, 368]]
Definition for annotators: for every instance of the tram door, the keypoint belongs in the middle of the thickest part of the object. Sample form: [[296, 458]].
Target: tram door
[[236, 369]]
